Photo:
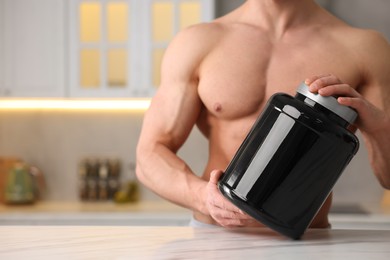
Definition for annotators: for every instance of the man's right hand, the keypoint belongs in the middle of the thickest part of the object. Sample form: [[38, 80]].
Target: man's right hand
[[222, 210]]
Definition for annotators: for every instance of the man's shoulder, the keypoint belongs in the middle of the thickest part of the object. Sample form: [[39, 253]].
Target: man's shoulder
[[371, 38], [360, 37], [369, 48], [200, 33], [196, 40]]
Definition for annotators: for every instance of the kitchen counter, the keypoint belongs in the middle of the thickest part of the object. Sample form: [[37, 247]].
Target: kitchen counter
[[109, 206], [124, 242], [159, 213], [151, 230], [95, 214]]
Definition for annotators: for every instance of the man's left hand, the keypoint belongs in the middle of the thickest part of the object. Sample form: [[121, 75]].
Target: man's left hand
[[370, 118]]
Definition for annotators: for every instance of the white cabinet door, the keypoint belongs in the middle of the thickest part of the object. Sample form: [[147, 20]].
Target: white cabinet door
[[101, 47], [32, 48]]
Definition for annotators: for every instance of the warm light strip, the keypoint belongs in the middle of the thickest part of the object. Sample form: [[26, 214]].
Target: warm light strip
[[75, 104]]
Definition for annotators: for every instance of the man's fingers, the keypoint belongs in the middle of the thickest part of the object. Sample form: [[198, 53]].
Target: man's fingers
[[316, 83], [227, 206], [214, 176], [220, 208], [217, 199], [229, 214], [231, 219], [339, 90], [310, 80]]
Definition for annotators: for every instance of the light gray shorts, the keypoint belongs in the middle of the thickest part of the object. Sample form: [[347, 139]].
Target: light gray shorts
[[197, 224]]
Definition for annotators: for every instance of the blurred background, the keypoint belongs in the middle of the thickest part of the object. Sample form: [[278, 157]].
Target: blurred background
[[66, 65]]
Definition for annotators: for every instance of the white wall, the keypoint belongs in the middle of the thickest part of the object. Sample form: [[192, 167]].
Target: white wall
[[57, 141], [373, 14]]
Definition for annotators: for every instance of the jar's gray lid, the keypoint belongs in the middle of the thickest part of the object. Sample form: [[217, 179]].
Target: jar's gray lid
[[330, 102]]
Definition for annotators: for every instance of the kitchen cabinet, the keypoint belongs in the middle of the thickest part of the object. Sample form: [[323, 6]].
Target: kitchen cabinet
[[82, 48], [116, 47], [32, 50]]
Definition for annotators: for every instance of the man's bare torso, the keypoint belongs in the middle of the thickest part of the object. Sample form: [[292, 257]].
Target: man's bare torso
[[245, 65]]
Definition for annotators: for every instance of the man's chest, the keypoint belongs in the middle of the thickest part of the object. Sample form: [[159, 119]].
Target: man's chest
[[291, 66], [240, 83]]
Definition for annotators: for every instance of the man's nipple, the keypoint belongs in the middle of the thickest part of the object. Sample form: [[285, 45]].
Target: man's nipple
[[217, 107]]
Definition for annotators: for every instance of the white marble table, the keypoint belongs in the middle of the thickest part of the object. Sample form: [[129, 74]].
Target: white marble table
[[130, 242]]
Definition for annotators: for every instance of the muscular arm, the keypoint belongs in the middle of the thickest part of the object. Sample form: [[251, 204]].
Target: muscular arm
[[374, 110], [173, 113], [371, 100], [168, 122]]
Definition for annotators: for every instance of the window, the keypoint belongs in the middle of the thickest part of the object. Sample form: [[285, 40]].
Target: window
[[116, 46]]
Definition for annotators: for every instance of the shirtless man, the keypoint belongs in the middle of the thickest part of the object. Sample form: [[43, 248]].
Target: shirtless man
[[219, 76]]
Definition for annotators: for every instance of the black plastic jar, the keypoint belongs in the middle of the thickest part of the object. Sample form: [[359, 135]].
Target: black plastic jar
[[289, 162]]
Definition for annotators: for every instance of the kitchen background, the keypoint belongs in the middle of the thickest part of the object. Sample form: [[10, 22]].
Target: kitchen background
[[57, 140]]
